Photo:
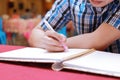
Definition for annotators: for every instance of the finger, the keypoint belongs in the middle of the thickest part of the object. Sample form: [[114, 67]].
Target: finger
[[55, 35], [54, 48], [50, 41]]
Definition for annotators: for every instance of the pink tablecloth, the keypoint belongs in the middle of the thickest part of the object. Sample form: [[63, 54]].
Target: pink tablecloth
[[10, 71]]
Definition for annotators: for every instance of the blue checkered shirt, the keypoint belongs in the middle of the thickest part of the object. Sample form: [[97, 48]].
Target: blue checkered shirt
[[85, 17]]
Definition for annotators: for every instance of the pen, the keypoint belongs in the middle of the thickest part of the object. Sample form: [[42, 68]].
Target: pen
[[50, 28], [59, 65]]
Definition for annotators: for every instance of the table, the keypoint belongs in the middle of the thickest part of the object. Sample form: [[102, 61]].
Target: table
[[21, 71]]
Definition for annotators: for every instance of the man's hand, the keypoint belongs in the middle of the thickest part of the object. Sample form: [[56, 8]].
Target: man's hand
[[48, 40]]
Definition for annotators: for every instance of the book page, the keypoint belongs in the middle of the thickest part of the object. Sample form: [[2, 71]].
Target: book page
[[36, 55], [97, 62]]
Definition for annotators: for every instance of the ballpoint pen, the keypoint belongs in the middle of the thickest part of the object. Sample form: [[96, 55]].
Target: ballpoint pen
[[50, 28]]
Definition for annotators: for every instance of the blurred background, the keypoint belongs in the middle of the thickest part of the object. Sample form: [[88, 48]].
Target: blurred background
[[19, 17], [35, 6]]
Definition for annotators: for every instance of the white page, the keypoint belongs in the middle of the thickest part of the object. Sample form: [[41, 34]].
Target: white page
[[36, 55], [97, 62]]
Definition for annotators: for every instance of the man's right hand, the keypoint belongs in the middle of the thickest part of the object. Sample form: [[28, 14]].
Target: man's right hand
[[49, 40]]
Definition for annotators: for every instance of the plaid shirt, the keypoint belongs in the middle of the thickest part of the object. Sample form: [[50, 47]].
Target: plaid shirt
[[85, 17]]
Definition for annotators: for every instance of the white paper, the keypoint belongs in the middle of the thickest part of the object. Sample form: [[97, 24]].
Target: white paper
[[97, 62], [37, 55]]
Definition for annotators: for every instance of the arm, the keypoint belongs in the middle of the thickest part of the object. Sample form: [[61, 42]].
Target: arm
[[57, 17], [99, 39]]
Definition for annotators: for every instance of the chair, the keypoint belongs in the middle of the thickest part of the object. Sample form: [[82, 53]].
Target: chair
[[2, 33], [2, 37]]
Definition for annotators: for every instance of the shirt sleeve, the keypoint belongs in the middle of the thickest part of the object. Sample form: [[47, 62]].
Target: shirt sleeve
[[58, 16], [114, 19]]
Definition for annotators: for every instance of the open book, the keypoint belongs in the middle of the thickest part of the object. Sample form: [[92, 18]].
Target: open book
[[95, 62]]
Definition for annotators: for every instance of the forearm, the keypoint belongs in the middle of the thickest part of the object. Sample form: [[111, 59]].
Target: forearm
[[99, 39], [86, 41], [81, 41]]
